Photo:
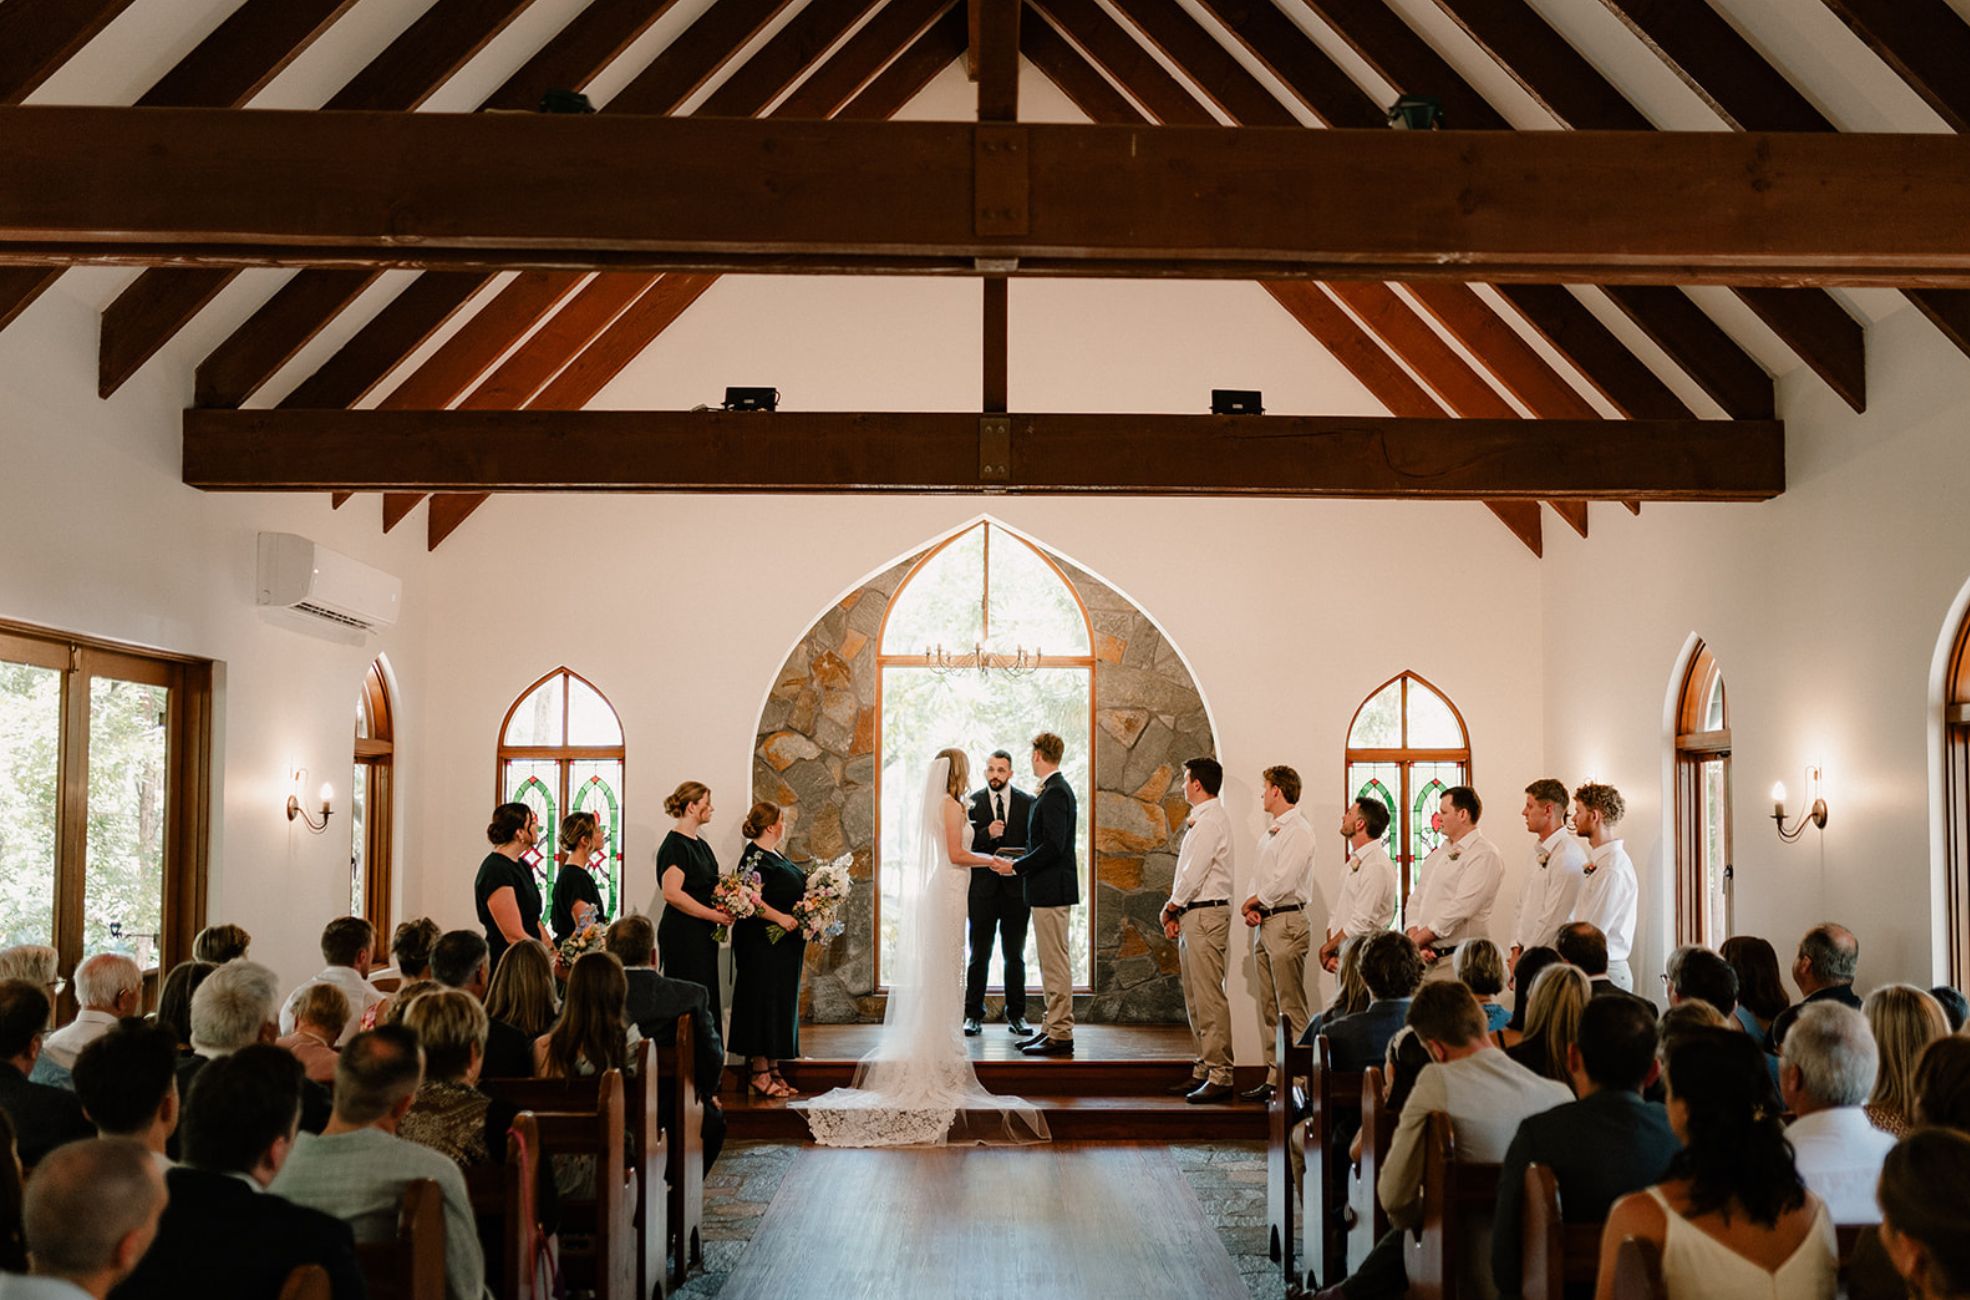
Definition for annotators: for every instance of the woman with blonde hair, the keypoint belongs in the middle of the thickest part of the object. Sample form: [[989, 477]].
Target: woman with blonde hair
[[1351, 993], [687, 871], [522, 1004], [1552, 1021], [1480, 967], [765, 1026], [449, 1113], [221, 943], [1905, 1020], [577, 899]]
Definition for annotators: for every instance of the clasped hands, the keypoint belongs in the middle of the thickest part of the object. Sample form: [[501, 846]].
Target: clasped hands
[[1002, 864]]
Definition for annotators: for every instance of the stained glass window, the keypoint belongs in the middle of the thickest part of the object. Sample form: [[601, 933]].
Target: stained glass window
[[1406, 746], [561, 752]]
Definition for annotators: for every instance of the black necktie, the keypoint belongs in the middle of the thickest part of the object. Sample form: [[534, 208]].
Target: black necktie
[[999, 807]]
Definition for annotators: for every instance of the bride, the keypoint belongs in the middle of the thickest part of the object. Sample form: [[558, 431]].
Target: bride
[[918, 1087]]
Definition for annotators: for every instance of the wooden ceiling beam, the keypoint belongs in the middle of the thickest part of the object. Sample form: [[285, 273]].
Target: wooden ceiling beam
[[38, 36], [1286, 456], [1109, 45], [1301, 65], [1927, 44]]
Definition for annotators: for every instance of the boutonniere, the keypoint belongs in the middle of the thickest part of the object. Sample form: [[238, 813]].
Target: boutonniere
[[1190, 820], [1589, 869], [1543, 858], [1354, 864], [1456, 854], [1272, 830]]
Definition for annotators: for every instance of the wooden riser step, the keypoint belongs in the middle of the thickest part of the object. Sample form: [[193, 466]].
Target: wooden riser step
[[1069, 1118], [1050, 1076]]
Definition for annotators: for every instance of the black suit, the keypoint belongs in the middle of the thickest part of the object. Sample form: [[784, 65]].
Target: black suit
[[655, 1003], [1049, 867], [43, 1117], [317, 1102], [509, 1053], [997, 904], [1841, 993], [223, 1240]]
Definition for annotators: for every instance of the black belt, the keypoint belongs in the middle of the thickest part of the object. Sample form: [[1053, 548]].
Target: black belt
[[1209, 902], [1280, 910]]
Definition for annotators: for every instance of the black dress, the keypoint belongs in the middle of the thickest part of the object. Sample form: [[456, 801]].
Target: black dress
[[574, 885], [685, 945], [766, 975], [498, 872]]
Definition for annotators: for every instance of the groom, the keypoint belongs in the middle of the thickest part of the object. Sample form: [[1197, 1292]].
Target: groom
[[1053, 885]]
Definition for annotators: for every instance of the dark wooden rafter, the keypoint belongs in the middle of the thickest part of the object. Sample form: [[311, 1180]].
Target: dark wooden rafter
[[314, 297], [234, 62], [1927, 44], [162, 301], [38, 36], [1285, 456]]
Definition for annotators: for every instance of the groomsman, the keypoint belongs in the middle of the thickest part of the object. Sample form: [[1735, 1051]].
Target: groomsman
[[1552, 887], [1610, 893], [997, 903], [1367, 902], [1458, 885], [1277, 915], [1198, 918]]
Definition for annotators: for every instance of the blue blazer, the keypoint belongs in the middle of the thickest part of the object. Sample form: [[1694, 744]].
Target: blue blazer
[[1050, 867], [1358, 1041]]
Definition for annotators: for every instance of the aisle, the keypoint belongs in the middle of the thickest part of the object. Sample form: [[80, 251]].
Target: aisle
[[1068, 1221]]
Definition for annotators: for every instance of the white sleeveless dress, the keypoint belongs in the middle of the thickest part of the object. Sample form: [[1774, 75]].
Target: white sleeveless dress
[[1696, 1266]]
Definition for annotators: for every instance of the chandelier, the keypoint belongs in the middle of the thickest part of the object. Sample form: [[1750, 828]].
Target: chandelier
[[1019, 662]]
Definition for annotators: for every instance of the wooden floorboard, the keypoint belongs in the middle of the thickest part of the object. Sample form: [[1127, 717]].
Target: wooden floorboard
[[1063, 1221]]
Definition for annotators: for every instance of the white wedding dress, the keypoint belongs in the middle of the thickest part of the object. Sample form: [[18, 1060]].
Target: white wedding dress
[[918, 1087]]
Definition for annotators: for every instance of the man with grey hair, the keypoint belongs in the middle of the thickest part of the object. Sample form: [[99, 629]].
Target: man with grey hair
[[90, 1213], [109, 986], [234, 1008], [1824, 971], [1826, 1071]]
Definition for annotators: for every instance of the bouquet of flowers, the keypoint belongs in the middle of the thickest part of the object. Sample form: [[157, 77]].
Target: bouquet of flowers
[[585, 938], [736, 892], [819, 909]]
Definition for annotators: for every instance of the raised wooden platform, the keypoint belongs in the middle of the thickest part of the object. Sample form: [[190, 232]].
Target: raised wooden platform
[[1116, 1088]]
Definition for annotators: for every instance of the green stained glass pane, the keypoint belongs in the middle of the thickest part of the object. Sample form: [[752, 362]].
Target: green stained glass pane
[[1428, 781], [1432, 723], [596, 787], [123, 889], [537, 720], [1380, 781], [1379, 724], [536, 782], [943, 603], [30, 759], [1031, 605]]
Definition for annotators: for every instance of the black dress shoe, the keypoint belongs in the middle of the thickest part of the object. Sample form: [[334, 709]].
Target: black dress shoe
[[1018, 1025], [972, 1028], [1261, 1093], [1185, 1088], [1207, 1092], [1050, 1047]]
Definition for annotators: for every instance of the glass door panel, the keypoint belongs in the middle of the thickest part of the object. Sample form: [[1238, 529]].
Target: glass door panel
[[358, 838], [123, 895], [30, 800]]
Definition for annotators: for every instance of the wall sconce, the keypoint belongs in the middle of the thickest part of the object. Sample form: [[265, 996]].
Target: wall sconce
[[1815, 816], [295, 810]]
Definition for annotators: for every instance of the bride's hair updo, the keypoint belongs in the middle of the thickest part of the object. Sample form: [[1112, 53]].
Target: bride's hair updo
[[960, 778]]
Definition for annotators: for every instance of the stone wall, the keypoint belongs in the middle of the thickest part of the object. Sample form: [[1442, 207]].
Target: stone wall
[[815, 753]]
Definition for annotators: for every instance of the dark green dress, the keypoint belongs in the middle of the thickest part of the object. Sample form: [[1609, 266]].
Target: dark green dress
[[766, 975], [685, 946]]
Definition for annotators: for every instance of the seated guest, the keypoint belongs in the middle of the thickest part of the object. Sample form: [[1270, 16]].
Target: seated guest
[[654, 1004], [393, 1011], [1925, 1213], [108, 987], [358, 1167], [593, 1033], [319, 1019], [234, 1008], [13, 1243], [410, 954], [1558, 997], [219, 944], [1392, 968], [1733, 1217], [1761, 994], [1826, 1070], [174, 1000], [1481, 968], [1942, 1084], [449, 1114], [221, 1227], [90, 1213], [1582, 945], [1600, 1148], [457, 962], [127, 1082], [1824, 971], [1703, 976], [1904, 1021], [522, 1005], [1955, 1008], [36, 963], [44, 1117], [1350, 990], [1485, 1094], [1524, 975], [347, 945]]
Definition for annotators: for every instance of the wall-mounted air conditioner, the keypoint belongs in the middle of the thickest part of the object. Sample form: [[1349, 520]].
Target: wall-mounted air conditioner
[[297, 574]]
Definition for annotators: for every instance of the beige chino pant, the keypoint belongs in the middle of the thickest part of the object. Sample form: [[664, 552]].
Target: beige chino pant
[[1202, 939], [1279, 950], [1056, 970]]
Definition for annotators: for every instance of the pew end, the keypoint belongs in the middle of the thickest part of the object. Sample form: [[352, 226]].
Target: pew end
[[505, 1198], [1295, 1063], [1555, 1254], [411, 1265], [1454, 1190], [308, 1282]]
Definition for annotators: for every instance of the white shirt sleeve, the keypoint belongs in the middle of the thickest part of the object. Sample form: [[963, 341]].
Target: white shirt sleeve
[[1370, 903], [1206, 844], [1285, 866]]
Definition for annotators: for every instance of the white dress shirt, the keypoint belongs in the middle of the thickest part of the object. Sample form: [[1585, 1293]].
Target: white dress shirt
[[1285, 871], [1458, 888], [66, 1043], [1204, 862], [1608, 898], [1552, 890], [361, 994], [1839, 1154], [1367, 901]]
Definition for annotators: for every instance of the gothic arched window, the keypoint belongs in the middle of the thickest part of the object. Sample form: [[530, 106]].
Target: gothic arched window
[[1406, 745], [370, 790], [1956, 801], [1703, 804], [561, 752]]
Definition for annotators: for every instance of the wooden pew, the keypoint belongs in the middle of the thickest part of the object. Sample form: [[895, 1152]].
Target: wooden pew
[[1453, 1191], [505, 1199], [1332, 1095], [1556, 1254], [1378, 1129], [684, 1171], [636, 1238], [1295, 1063], [411, 1265], [308, 1282]]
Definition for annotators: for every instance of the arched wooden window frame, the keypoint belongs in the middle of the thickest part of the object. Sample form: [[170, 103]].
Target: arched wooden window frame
[[884, 660], [375, 766], [1956, 804], [1703, 748], [565, 756], [1402, 850]]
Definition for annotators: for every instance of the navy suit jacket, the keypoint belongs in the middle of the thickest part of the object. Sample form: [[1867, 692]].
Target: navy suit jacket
[[985, 882], [1358, 1041], [1599, 1148], [1841, 993], [222, 1240], [655, 1003], [43, 1117], [1049, 867]]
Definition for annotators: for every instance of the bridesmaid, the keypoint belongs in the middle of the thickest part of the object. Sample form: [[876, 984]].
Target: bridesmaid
[[505, 895], [766, 980], [687, 872], [574, 887]]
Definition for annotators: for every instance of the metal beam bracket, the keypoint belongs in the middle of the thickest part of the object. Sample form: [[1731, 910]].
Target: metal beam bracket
[[994, 449], [1000, 180]]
